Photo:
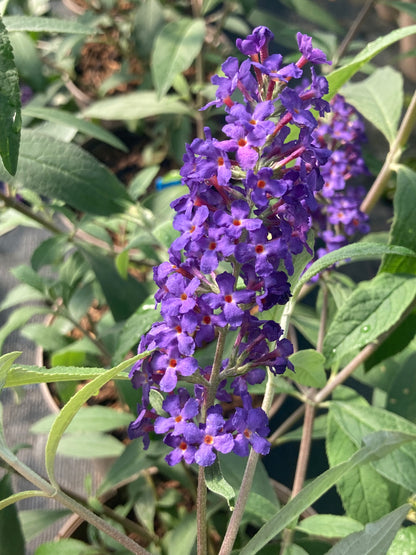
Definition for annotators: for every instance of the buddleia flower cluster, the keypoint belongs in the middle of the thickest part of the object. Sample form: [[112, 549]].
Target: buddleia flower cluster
[[338, 216], [246, 216]]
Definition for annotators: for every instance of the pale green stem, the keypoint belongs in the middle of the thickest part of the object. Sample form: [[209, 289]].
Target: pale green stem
[[392, 158], [201, 506], [28, 212], [201, 517], [237, 515], [70, 503]]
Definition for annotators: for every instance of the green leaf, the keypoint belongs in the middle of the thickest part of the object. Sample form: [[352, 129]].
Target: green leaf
[[402, 6], [340, 76], [16, 497], [376, 536], [122, 264], [35, 521], [350, 253], [398, 340], [305, 320], [135, 106], [216, 482], [144, 495], [10, 106], [22, 293], [313, 12], [88, 419], [379, 98], [19, 318], [27, 275], [309, 368], [233, 466], [372, 309], [90, 446], [404, 543], [139, 185], [182, 538], [6, 362], [66, 172], [70, 120], [319, 431], [126, 468], [359, 421], [137, 325], [68, 412], [377, 445], [27, 59], [122, 295], [67, 547], [208, 5], [49, 252], [11, 537], [403, 229], [175, 48], [148, 21], [25, 374], [401, 396], [329, 526], [48, 337], [364, 493], [45, 25], [165, 233]]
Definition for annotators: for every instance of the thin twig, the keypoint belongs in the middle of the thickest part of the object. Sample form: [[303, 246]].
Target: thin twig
[[29, 213], [351, 32], [392, 158]]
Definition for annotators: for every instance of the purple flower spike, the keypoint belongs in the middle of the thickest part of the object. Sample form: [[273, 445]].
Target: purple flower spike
[[248, 212]]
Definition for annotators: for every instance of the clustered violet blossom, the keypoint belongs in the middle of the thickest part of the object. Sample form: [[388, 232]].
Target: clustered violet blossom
[[247, 214], [338, 216]]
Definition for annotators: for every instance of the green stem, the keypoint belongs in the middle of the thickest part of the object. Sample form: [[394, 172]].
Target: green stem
[[70, 503], [237, 515], [392, 158], [201, 517], [28, 212]]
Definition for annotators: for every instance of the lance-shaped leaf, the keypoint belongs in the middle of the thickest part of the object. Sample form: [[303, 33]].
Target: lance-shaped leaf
[[45, 25], [65, 118], [340, 76], [377, 445], [10, 106], [68, 173], [349, 253], [376, 536], [379, 98], [174, 50], [65, 417], [372, 309], [136, 105], [403, 230], [358, 421]]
